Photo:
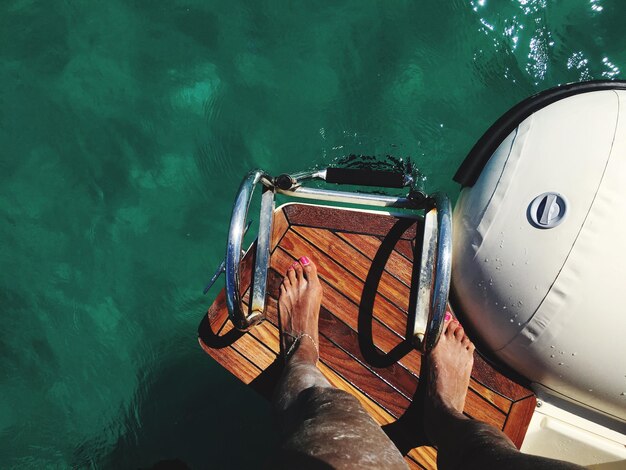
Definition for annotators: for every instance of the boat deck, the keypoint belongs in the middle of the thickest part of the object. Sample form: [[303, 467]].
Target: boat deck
[[365, 263]]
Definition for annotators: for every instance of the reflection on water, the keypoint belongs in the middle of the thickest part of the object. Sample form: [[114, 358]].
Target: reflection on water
[[125, 130]]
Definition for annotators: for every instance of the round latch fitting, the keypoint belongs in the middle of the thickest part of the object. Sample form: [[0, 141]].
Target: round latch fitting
[[547, 210]]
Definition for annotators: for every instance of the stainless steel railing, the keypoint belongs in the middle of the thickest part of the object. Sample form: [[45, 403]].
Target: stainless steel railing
[[434, 274]]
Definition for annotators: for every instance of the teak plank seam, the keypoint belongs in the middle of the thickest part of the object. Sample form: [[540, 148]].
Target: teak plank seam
[[387, 296], [353, 244], [348, 281], [358, 262]]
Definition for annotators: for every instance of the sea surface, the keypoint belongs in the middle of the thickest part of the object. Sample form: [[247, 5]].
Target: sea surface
[[125, 129]]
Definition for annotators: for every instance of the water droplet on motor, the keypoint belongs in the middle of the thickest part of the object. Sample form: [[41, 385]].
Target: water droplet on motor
[[551, 355], [560, 363]]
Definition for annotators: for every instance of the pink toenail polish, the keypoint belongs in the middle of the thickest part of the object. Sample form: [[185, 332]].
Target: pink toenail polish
[[305, 261], [448, 316]]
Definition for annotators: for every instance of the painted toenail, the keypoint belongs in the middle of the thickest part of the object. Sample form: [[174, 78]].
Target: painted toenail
[[305, 261], [448, 316]]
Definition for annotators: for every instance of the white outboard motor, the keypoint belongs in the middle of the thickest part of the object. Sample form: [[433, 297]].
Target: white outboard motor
[[539, 264]]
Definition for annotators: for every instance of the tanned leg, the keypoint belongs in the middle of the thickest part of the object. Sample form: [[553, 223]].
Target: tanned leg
[[464, 443], [323, 427]]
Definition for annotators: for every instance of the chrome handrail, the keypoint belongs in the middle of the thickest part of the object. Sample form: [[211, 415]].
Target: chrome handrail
[[443, 270], [435, 267], [233, 255]]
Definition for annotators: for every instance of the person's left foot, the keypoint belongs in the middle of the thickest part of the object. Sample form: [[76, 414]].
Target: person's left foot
[[298, 311], [449, 366]]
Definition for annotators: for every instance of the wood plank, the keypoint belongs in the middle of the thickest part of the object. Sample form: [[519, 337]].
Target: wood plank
[[397, 264], [344, 281], [279, 227], [518, 419], [234, 362], [218, 312], [497, 400], [477, 407], [412, 464], [494, 380], [336, 219], [256, 351], [406, 249], [356, 262], [347, 339]]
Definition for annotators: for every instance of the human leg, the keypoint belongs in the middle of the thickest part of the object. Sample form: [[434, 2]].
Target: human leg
[[463, 442], [323, 427]]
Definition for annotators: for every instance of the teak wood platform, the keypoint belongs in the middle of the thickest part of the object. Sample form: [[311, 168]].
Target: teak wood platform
[[365, 263]]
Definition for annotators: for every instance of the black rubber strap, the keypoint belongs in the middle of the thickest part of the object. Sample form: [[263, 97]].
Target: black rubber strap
[[473, 165], [363, 177]]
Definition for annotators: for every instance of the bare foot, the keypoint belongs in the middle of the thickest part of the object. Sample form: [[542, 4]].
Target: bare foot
[[449, 368], [298, 311]]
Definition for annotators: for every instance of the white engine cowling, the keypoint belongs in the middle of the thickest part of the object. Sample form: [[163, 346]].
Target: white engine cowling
[[539, 262]]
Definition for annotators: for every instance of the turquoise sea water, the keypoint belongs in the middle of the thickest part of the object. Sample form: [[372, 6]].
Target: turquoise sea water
[[125, 128]]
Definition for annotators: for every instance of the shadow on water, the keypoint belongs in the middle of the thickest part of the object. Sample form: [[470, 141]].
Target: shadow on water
[[189, 413]]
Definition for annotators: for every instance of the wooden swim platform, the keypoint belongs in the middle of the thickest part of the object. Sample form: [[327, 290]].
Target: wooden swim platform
[[365, 264]]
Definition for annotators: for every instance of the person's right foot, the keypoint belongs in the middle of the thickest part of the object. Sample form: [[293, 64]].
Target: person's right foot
[[298, 311], [449, 366]]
